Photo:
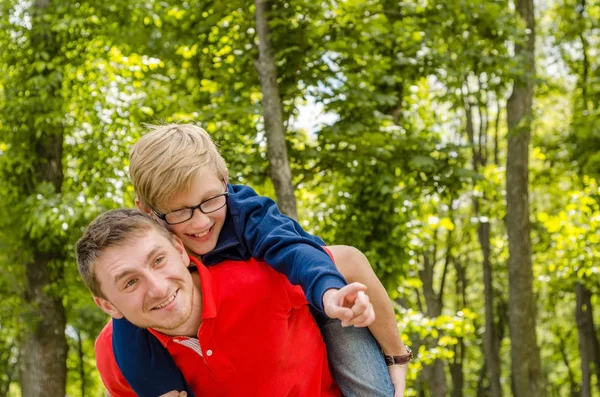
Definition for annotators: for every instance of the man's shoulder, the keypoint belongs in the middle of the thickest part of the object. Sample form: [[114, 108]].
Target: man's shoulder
[[107, 366], [104, 339], [105, 357]]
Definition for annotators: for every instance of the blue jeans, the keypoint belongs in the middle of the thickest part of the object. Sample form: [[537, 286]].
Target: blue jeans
[[355, 359]]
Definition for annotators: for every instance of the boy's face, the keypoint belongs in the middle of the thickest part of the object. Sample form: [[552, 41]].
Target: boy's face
[[200, 233], [146, 280]]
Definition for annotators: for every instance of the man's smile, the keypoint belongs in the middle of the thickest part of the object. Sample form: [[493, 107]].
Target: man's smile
[[166, 302]]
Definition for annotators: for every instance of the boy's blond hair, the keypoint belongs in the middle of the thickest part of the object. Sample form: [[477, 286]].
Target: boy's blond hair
[[168, 160]]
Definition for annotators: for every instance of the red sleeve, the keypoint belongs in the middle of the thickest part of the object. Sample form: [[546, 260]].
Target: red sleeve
[[111, 375]]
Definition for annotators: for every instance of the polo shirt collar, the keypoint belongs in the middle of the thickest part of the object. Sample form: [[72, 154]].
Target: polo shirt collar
[[209, 306]]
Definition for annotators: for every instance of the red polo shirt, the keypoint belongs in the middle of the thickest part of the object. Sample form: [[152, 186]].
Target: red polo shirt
[[257, 338]]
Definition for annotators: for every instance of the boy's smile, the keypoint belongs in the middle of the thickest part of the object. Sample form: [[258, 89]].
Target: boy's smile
[[203, 237], [201, 232]]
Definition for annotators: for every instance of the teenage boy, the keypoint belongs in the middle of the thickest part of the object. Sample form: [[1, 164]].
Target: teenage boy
[[237, 329], [180, 177]]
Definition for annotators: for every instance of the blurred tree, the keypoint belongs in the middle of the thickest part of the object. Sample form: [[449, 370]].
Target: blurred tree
[[526, 367], [32, 125], [273, 113], [408, 168]]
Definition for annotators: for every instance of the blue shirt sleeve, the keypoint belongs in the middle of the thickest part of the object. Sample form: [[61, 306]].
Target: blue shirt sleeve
[[283, 244], [145, 362]]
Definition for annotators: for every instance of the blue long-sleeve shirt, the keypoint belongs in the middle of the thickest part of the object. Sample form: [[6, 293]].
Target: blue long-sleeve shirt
[[253, 227]]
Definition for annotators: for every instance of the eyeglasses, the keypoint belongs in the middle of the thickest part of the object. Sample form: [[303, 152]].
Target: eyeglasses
[[209, 205]]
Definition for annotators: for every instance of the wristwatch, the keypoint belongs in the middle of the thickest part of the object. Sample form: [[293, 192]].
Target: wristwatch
[[399, 360]]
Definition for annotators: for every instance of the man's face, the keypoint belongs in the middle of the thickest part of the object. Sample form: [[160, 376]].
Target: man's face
[[200, 233], [146, 280]]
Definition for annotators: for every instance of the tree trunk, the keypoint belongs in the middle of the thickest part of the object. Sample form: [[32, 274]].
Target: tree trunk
[[588, 342], [456, 369], [490, 339], [526, 366], [43, 370], [277, 152], [43, 356], [456, 366], [81, 362], [490, 347], [587, 336], [456, 373], [436, 377], [435, 373], [496, 127], [564, 349], [482, 391]]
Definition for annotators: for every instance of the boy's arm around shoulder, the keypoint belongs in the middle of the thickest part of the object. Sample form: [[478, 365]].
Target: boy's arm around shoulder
[[144, 361], [173, 393], [283, 244], [115, 383], [109, 371]]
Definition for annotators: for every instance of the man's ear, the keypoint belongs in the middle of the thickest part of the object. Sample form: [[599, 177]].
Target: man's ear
[[107, 307], [142, 207], [181, 250]]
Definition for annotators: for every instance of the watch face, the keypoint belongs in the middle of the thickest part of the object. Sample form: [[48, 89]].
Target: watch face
[[410, 353]]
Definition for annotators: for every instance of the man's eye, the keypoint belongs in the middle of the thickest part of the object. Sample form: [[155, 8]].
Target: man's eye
[[159, 260], [130, 283]]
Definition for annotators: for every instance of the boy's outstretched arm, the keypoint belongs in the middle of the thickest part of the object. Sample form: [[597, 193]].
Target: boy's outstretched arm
[[355, 267], [268, 235]]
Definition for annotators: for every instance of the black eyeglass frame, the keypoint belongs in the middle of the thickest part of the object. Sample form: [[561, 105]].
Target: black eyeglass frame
[[195, 207]]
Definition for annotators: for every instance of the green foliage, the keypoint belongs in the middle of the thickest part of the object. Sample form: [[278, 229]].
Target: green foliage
[[576, 27], [393, 173]]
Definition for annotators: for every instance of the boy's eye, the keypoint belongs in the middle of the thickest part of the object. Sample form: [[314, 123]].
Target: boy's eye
[[159, 260]]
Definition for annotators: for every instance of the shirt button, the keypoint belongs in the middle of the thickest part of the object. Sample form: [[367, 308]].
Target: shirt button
[[209, 353]]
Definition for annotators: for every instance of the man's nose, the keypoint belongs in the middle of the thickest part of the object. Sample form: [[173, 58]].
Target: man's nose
[[158, 285]]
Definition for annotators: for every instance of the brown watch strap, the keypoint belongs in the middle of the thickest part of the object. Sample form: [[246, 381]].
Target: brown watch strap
[[399, 360]]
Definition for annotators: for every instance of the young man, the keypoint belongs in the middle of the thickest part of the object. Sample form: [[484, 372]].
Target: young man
[[237, 329], [180, 178]]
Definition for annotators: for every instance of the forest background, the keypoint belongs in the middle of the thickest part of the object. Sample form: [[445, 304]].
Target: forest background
[[454, 142]]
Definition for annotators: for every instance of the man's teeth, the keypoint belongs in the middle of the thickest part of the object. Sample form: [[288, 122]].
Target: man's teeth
[[166, 302], [201, 234]]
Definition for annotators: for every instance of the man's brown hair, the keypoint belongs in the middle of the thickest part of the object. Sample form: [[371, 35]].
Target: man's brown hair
[[111, 229], [168, 160]]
